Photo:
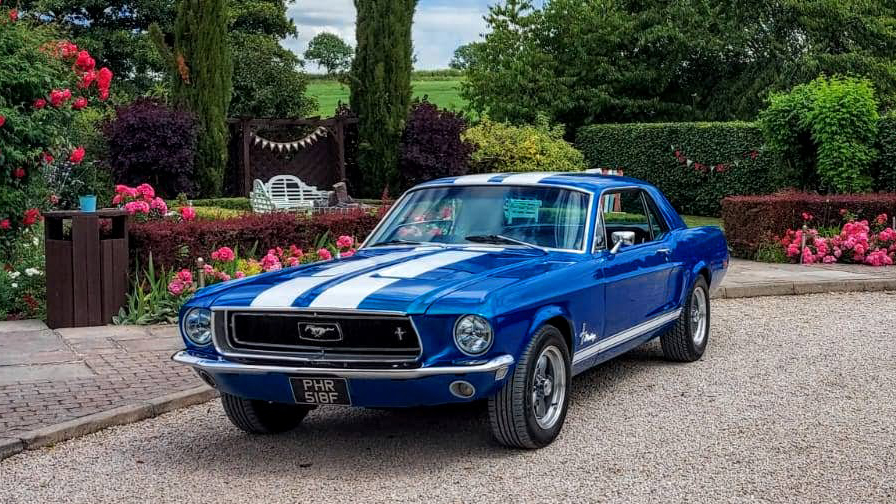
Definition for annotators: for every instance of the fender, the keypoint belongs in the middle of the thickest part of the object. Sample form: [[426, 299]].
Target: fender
[[690, 278], [547, 312]]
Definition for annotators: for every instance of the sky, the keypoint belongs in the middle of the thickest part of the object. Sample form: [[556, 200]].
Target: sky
[[439, 26]]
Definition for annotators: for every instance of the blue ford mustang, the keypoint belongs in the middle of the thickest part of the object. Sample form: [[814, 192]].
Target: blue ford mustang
[[496, 286]]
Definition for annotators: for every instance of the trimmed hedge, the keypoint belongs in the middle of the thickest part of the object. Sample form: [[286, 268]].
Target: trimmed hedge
[[885, 165], [176, 244], [228, 203], [694, 164], [751, 221]]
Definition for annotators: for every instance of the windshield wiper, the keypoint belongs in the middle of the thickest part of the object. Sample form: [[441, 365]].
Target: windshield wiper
[[499, 239], [396, 242]]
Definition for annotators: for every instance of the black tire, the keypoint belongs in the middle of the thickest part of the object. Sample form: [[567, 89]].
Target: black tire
[[263, 417], [511, 414], [680, 343]]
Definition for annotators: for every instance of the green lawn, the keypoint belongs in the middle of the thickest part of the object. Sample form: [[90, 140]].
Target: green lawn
[[697, 221], [443, 93]]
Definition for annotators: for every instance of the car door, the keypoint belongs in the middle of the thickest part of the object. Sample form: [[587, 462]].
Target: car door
[[637, 276]]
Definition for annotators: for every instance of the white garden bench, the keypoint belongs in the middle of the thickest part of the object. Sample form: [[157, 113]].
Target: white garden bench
[[285, 192]]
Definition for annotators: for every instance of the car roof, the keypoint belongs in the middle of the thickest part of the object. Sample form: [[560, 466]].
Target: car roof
[[587, 181]]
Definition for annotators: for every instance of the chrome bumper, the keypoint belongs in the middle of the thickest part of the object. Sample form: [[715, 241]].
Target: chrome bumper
[[502, 362]]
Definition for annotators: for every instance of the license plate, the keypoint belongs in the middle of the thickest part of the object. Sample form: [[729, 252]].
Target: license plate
[[310, 390]]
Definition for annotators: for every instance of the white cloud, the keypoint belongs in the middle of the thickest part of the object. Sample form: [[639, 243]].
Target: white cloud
[[437, 30]]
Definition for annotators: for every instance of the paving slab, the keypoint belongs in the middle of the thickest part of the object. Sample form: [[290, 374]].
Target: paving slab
[[22, 326], [44, 372]]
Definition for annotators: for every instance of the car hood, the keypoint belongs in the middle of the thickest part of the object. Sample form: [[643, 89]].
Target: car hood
[[399, 279]]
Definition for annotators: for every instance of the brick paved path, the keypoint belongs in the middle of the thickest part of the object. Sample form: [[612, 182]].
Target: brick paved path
[[48, 377]]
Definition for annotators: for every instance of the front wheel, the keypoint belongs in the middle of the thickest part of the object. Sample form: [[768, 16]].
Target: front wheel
[[528, 412], [263, 417], [687, 340]]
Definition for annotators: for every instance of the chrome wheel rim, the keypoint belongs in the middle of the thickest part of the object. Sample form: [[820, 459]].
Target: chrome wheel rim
[[548, 387], [699, 310]]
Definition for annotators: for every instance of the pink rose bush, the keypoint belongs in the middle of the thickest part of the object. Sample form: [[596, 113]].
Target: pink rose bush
[[140, 201], [859, 242]]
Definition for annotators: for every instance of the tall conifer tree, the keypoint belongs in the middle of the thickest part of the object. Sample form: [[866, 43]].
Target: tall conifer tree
[[381, 85], [202, 82]]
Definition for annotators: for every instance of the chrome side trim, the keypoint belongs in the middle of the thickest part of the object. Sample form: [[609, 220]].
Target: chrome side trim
[[223, 366], [626, 335]]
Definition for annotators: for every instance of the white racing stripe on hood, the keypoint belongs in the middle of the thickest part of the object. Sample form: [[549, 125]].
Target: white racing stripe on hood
[[285, 293], [352, 292]]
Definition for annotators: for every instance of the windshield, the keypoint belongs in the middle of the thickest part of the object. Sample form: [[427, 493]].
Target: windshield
[[548, 217]]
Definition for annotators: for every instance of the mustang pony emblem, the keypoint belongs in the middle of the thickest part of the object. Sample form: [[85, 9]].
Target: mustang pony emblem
[[320, 331]]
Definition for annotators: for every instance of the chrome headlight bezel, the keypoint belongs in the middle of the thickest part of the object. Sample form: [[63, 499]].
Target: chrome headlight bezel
[[466, 341], [196, 326]]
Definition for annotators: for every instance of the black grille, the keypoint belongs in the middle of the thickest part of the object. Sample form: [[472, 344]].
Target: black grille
[[323, 335]]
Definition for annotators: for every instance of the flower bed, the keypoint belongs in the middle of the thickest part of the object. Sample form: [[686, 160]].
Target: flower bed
[[751, 222]]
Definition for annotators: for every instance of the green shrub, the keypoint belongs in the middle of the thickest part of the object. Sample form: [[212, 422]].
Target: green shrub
[[502, 147], [694, 164], [885, 166], [228, 203], [826, 129]]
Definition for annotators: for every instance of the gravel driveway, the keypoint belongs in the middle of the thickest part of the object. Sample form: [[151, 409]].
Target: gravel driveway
[[794, 401]]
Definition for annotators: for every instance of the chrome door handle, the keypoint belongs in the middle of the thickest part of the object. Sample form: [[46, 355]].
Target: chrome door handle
[[664, 251]]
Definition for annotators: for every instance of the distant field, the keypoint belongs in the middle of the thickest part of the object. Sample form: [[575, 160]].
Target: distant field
[[444, 93]]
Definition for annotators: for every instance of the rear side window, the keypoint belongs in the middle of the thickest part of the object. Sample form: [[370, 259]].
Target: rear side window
[[658, 226]]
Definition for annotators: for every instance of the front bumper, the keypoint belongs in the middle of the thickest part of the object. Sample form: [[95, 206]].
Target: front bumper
[[368, 387]]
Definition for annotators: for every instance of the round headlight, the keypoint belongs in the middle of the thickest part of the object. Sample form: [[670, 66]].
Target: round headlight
[[473, 334], [198, 326]]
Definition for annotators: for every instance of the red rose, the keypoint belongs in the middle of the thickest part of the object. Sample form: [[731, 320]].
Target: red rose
[[104, 94], [2, 120], [32, 215], [87, 79], [77, 155], [19, 173], [68, 49], [79, 103], [13, 15], [104, 78], [40, 103], [46, 158], [85, 62], [4, 224], [57, 98]]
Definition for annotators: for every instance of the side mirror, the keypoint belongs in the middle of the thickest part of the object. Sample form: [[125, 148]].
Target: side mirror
[[621, 238]]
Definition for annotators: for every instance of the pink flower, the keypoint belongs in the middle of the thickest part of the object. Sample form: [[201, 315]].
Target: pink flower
[[793, 250], [5, 224], [176, 287], [160, 205], [188, 213], [239, 274], [347, 253], [223, 254], [324, 254], [859, 250], [807, 216], [292, 261], [345, 242], [40, 103], [881, 219], [2, 120], [208, 269], [13, 15], [296, 251], [87, 79], [77, 155], [223, 276], [146, 191], [135, 207], [185, 276], [270, 262], [829, 259]]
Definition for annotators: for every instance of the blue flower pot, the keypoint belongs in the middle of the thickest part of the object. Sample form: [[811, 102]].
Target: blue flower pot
[[88, 203]]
